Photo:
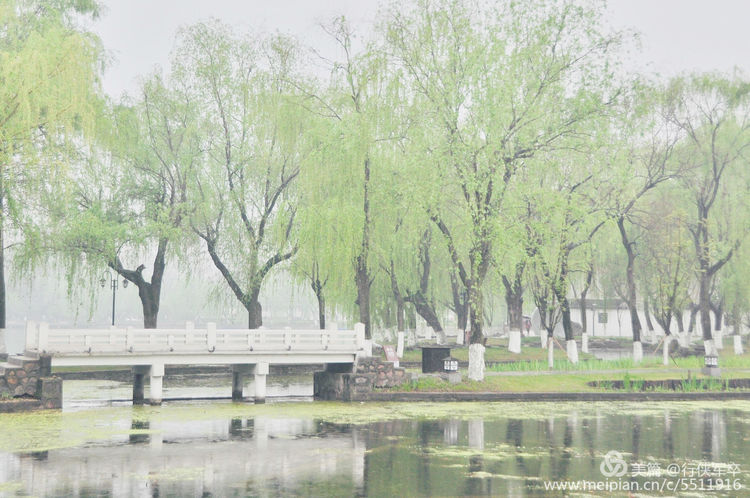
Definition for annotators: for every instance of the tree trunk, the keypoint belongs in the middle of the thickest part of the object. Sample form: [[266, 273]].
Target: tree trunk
[[460, 302], [475, 313], [317, 288], [362, 274], [411, 317], [647, 314], [362, 279], [680, 321], [2, 258], [566, 321], [693, 313], [514, 297], [514, 301], [582, 302], [635, 322], [254, 313], [426, 310], [399, 299], [718, 313], [704, 306], [321, 311]]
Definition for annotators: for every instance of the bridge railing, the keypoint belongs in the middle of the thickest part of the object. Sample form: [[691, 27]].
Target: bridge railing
[[43, 339]]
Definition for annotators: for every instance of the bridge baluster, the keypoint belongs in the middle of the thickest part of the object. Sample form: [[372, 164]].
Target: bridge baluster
[[211, 336], [189, 327]]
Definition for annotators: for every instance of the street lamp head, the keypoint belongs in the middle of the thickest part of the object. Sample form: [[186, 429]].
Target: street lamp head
[[124, 283], [103, 282]]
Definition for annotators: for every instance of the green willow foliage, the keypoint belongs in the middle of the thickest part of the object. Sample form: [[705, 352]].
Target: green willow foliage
[[463, 141]]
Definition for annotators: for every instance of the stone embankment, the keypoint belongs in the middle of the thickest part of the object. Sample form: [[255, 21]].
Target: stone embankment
[[27, 383], [368, 375]]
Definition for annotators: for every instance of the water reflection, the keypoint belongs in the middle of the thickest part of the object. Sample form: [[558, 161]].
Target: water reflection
[[275, 455]]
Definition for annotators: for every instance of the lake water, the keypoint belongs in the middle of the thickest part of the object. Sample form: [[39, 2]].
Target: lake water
[[99, 447]]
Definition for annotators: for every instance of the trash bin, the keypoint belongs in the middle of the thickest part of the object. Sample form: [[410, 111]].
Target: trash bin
[[432, 358]]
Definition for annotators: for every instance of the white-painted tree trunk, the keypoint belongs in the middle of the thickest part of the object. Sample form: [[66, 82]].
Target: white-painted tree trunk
[[440, 337], [738, 344], [460, 337], [2, 341], [584, 342], [550, 353], [637, 352], [400, 344], [543, 338], [514, 341], [665, 350], [719, 339], [476, 362], [709, 347], [572, 349], [684, 339]]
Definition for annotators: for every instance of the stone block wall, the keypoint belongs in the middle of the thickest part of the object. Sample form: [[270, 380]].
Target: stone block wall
[[27, 384], [369, 374], [20, 381]]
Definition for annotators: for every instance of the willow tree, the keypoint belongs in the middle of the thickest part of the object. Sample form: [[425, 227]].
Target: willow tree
[[131, 195], [360, 107], [254, 141], [497, 85], [49, 72], [642, 161], [714, 113]]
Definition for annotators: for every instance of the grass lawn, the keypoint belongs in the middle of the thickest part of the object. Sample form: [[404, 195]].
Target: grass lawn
[[497, 353], [548, 383]]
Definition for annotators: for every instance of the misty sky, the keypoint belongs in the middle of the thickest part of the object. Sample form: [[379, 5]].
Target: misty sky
[[677, 35]]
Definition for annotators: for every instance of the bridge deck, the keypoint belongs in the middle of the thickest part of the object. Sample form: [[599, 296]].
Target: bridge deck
[[148, 350]]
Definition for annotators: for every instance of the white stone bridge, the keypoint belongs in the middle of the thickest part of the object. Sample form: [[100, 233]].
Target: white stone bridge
[[248, 351]]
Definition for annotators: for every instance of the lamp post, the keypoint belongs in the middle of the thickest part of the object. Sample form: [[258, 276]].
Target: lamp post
[[107, 276]]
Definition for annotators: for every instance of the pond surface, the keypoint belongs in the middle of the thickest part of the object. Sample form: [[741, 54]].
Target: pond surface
[[217, 448]]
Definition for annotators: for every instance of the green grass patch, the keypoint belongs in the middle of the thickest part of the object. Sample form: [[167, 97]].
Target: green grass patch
[[494, 354], [573, 382]]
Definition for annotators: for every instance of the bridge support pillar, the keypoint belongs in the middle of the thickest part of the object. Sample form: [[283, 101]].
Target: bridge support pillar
[[155, 386], [238, 381], [139, 372], [261, 372]]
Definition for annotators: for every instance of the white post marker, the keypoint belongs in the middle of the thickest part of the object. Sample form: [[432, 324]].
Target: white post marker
[[400, 344]]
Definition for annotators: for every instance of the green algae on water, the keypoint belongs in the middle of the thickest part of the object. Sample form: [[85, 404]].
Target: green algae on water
[[46, 430]]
